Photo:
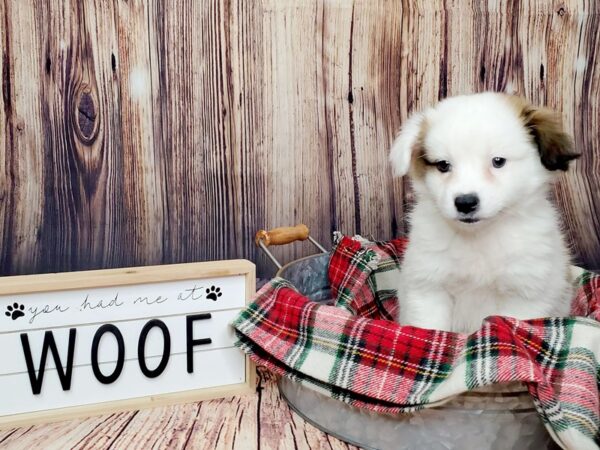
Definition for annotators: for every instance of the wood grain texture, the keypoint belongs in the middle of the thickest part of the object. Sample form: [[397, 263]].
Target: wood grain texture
[[259, 421], [83, 169], [137, 133], [94, 432], [144, 194], [22, 184]]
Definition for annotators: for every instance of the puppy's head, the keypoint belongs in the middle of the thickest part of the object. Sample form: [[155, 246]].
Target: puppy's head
[[476, 156]]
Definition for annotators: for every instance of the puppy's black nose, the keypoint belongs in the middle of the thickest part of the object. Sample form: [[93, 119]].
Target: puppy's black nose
[[466, 203]]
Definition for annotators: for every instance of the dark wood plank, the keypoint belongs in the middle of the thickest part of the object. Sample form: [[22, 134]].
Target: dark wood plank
[[82, 166], [21, 176], [5, 140]]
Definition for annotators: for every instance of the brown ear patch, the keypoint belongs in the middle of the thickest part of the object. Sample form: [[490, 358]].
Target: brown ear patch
[[555, 146], [418, 163]]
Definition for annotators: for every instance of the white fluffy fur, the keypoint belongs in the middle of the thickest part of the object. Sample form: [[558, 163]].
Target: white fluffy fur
[[514, 261]]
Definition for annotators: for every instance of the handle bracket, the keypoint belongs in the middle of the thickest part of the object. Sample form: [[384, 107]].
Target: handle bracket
[[283, 236]]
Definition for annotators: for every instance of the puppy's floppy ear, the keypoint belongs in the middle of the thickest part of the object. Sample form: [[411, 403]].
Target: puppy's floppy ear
[[556, 147], [403, 147]]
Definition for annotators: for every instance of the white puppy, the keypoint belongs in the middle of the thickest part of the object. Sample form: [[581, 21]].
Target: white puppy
[[485, 239]]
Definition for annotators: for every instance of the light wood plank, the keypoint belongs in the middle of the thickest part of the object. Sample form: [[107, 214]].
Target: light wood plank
[[132, 275], [374, 112], [262, 420], [280, 428], [9, 437], [96, 432], [143, 175], [225, 424], [158, 428]]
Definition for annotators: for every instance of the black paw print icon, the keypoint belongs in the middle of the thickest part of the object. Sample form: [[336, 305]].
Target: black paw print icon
[[15, 311], [213, 293]]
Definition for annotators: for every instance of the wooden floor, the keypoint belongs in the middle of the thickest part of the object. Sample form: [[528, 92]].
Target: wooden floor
[[259, 421]]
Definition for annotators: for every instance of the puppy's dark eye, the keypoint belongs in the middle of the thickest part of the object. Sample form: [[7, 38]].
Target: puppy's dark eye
[[498, 162], [443, 166]]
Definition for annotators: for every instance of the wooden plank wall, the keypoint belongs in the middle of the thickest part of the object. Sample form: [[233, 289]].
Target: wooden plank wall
[[144, 131]]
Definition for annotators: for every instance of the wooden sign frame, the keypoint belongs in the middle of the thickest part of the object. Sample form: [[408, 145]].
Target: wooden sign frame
[[70, 281]]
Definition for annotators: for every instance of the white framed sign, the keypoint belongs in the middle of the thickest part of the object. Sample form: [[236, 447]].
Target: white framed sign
[[85, 343]]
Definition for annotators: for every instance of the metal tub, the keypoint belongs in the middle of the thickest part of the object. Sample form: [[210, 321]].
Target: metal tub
[[499, 417]]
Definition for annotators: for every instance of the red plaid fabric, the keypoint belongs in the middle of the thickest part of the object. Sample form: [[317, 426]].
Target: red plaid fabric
[[350, 267], [357, 272], [383, 366], [587, 298]]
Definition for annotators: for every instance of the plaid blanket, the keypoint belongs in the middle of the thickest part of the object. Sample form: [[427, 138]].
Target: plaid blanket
[[354, 353]]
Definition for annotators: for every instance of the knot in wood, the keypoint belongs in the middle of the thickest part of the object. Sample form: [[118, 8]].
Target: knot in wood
[[87, 123]]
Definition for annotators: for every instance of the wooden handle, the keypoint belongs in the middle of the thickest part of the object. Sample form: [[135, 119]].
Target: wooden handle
[[282, 235]]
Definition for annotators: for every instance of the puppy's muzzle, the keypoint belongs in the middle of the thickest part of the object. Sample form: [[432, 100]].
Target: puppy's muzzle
[[466, 203]]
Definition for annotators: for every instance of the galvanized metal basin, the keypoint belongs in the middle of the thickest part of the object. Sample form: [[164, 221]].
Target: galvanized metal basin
[[499, 418]]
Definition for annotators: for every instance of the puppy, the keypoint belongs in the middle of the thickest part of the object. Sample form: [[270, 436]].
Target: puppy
[[485, 239]]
